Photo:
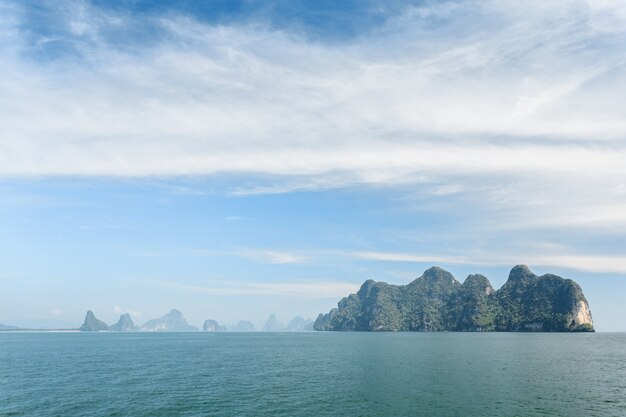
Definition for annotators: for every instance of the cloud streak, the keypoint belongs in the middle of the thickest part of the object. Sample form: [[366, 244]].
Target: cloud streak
[[120, 310], [312, 289], [524, 251], [586, 263], [209, 99], [513, 103]]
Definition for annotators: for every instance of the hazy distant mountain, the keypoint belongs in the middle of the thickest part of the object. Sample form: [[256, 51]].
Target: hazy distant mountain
[[171, 322], [436, 301], [124, 324], [92, 324], [273, 325], [8, 327], [300, 324], [213, 326], [243, 326]]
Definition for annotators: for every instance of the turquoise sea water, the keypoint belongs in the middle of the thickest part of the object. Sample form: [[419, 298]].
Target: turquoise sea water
[[312, 374]]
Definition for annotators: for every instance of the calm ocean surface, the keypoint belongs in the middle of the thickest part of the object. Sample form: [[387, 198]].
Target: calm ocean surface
[[312, 374]]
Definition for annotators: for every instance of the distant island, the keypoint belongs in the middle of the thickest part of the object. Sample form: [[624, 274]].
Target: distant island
[[174, 321], [92, 324], [297, 324], [436, 301], [213, 326]]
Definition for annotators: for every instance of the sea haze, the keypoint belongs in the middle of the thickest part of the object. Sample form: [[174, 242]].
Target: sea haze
[[313, 374]]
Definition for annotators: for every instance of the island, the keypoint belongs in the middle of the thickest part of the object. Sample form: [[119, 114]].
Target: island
[[244, 326], [436, 301], [124, 324], [92, 324], [174, 321], [213, 326]]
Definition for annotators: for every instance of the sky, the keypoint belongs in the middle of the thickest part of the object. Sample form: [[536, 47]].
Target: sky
[[235, 159]]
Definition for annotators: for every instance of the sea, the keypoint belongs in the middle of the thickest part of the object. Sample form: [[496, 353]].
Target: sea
[[312, 374]]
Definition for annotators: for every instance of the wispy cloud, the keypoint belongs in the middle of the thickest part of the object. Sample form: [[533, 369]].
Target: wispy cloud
[[406, 257], [525, 97], [209, 99], [56, 312], [526, 251], [310, 289], [120, 310], [261, 255], [272, 256], [588, 263]]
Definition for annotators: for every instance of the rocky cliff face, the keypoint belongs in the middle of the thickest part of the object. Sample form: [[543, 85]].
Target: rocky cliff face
[[124, 324], [436, 301], [548, 303], [92, 324], [582, 314]]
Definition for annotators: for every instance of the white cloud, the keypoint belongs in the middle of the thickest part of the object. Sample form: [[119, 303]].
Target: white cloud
[[528, 95], [406, 257], [525, 250], [55, 311], [309, 289], [261, 255], [266, 256], [274, 257], [119, 310], [587, 263]]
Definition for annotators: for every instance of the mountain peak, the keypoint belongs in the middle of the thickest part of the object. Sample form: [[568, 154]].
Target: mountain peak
[[272, 324], [437, 302], [124, 324], [435, 273], [174, 321], [520, 272], [434, 270], [478, 282], [92, 324]]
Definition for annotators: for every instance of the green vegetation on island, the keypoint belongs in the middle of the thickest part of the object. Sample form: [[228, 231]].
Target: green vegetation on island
[[436, 301]]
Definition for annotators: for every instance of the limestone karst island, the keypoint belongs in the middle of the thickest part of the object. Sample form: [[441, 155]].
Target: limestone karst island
[[436, 301]]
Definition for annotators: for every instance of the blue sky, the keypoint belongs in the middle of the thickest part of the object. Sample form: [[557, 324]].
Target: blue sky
[[236, 159]]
